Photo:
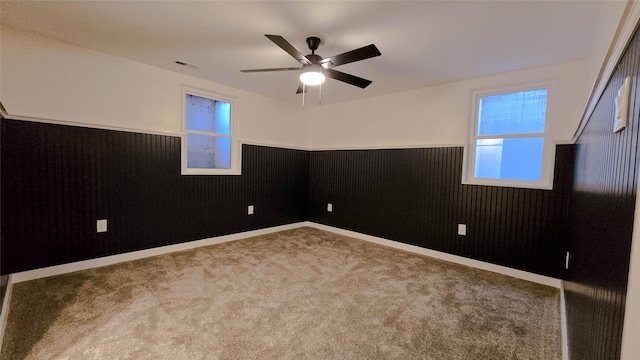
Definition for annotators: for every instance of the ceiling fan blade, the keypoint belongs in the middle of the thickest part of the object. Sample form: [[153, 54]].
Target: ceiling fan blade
[[300, 89], [273, 69], [347, 78], [362, 53], [286, 46]]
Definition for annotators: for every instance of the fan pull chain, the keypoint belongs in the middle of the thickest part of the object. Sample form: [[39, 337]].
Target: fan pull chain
[[320, 96], [303, 91]]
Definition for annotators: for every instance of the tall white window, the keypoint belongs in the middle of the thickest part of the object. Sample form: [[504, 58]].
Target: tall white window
[[208, 140], [509, 144]]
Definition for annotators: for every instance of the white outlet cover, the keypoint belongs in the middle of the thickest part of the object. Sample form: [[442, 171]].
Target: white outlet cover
[[462, 229], [101, 225], [329, 207], [250, 210], [622, 106]]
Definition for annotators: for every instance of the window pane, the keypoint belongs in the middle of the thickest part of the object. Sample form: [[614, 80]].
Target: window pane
[[513, 113], [209, 115], [488, 158], [208, 152], [509, 159]]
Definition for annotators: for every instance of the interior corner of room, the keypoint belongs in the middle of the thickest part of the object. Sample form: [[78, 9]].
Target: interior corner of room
[[92, 168]]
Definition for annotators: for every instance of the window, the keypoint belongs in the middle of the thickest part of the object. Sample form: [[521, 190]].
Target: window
[[508, 141], [208, 143]]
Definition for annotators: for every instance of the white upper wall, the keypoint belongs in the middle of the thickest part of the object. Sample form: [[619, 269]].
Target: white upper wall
[[48, 79], [438, 115]]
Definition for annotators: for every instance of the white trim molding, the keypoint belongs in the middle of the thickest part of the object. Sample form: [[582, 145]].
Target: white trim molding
[[135, 255], [519, 274], [141, 254], [624, 33], [271, 145], [4, 313], [7, 116], [564, 331], [241, 141], [384, 147]]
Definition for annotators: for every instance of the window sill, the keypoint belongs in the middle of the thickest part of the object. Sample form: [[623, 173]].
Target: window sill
[[210, 172], [512, 184]]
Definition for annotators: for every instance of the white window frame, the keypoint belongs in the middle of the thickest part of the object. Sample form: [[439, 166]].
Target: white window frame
[[235, 146], [549, 146]]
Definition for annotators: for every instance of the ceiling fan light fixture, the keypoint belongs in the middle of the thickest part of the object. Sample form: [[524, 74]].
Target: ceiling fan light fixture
[[312, 75], [315, 68]]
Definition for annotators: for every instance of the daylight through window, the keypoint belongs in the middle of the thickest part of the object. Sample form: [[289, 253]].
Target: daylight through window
[[208, 141], [508, 141]]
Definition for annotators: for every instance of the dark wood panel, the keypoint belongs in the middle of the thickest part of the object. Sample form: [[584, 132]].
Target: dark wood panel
[[58, 180], [601, 222], [415, 196]]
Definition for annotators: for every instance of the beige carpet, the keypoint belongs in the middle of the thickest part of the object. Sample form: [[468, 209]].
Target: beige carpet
[[297, 294]]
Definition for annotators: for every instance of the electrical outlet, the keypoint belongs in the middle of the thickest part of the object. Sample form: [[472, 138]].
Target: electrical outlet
[[101, 225], [462, 229], [329, 207], [250, 210]]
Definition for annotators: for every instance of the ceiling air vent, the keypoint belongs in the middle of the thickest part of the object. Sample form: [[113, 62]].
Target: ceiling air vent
[[187, 64]]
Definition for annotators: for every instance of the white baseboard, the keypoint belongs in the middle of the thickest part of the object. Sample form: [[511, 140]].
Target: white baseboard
[[4, 313], [524, 275], [563, 324], [135, 255]]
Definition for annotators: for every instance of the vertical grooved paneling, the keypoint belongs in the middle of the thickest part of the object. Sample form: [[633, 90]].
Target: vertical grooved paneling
[[416, 196], [601, 217], [58, 180]]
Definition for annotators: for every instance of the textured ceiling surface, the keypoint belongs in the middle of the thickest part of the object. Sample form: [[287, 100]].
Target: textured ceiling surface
[[422, 42]]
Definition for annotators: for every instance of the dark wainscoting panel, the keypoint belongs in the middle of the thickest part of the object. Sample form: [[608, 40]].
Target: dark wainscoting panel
[[58, 180], [602, 212], [415, 196]]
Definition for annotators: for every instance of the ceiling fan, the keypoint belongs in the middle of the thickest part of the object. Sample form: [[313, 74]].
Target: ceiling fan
[[315, 68]]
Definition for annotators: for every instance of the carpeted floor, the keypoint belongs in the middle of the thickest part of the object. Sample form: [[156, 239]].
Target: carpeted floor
[[297, 294]]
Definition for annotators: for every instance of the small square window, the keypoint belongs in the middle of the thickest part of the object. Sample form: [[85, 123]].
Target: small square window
[[208, 137], [508, 142]]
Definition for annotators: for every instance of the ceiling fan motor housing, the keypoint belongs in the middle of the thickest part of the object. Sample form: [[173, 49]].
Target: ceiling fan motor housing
[[315, 59], [313, 43]]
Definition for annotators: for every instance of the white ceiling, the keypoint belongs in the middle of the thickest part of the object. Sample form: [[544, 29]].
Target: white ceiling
[[422, 42]]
